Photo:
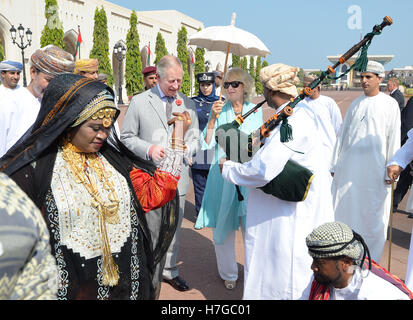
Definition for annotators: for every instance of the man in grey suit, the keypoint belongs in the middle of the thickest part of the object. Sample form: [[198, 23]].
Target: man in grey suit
[[393, 88], [146, 133]]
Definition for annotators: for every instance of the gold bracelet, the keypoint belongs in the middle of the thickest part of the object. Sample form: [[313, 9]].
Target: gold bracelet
[[178, 146]]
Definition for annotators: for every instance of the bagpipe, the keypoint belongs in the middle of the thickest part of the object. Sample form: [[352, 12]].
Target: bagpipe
[[293, 183]]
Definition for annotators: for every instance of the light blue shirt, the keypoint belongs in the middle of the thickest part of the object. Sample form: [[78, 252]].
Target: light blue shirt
[[220, 207]]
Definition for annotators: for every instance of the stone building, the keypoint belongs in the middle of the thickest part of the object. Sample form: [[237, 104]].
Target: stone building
[[405, 75]]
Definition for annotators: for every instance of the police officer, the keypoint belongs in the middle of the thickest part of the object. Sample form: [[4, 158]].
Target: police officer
[[202, 160]]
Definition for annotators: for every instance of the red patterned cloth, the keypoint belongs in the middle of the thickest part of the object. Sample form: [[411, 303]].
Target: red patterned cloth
[[386, 275], [153, 191], [319, 291], [322, 292]]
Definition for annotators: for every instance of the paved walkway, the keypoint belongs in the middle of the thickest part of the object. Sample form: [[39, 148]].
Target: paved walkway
[[197, 255]]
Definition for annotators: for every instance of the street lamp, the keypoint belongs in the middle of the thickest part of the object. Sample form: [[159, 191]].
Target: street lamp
[[22, 46], [120, 51]]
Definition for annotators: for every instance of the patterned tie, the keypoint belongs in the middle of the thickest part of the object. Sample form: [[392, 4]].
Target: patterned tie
[[169, 108]]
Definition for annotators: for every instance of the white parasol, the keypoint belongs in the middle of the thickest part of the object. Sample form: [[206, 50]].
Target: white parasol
[[229, 39]]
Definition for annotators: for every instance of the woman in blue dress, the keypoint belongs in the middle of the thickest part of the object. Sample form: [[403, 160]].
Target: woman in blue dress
[[202, 160], [220, 207]]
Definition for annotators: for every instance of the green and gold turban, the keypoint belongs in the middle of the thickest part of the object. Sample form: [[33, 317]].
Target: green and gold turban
[[86, 65]]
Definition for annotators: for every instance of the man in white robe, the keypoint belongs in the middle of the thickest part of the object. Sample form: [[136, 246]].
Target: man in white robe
[[276, 262], [329, 116], [339, 268], [10, 76], [369, 137], [396, 165], [19, 111], [329, 110]]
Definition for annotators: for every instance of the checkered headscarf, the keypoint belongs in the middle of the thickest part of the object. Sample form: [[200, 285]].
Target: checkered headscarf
[[335, 239]]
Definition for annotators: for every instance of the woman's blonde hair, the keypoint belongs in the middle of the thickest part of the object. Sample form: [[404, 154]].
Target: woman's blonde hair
[[238, 74]]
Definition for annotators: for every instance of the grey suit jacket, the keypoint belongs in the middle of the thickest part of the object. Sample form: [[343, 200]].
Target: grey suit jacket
[[145, 124]]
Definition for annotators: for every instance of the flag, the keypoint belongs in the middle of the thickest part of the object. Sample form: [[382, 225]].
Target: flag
[[149, 54], [79, 41]]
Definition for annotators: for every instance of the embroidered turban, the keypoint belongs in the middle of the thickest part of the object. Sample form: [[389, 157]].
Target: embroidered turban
[[9, 65], [335, 239], [86, 65], [375, 67], [52, 60], [280, 77]]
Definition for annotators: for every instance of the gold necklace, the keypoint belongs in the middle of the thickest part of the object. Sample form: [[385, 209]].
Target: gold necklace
[[81, 166]]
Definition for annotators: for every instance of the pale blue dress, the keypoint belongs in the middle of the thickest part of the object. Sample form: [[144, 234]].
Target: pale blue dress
[[220, 207]]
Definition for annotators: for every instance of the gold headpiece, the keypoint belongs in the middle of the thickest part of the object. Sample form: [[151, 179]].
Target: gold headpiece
[[107, 114], [102, 107]]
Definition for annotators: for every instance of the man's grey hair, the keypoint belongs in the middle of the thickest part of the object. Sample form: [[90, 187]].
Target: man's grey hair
[[166, 62]]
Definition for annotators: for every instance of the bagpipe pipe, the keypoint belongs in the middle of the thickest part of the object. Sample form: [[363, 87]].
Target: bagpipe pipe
[[293, 183]]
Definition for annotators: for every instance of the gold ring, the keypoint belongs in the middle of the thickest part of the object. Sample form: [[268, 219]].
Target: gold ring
[[189, 121], [180, 118]]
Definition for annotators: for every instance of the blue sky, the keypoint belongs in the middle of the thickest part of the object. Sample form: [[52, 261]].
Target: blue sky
[[302, 33]]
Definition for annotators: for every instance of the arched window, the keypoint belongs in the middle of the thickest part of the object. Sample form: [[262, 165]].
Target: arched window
[[144, 57], [344, 69]]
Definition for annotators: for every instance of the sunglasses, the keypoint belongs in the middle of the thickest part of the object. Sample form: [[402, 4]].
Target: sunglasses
[[234, 84]]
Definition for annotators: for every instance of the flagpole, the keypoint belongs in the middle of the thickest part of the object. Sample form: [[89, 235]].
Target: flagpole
[[149, 54], [78, 28]]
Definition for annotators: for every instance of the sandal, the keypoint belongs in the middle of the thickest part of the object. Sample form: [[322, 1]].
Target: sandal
[[230, 284]]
